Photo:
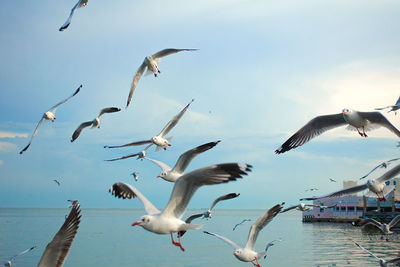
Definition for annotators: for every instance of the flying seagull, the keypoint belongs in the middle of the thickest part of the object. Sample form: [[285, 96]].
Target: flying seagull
[[384, 164], [355, 120], [135, 176], [382, 262], [58, 248], [9, 261], [384, 227], [247, 254], [394, 108], [376, 187], [305, 207], [57, 182], [242, 222], [49, 115], [81, 3], [332, 180], [94, 123], [311, 189], [169, 220], [140, 155], [151, 63], [172, 174], [159, 140]]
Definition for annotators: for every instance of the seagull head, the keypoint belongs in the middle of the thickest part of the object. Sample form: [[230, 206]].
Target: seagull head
[[49, 116], [347, 111], [7, 263], [238, 252], [162, 175], [145, 220]]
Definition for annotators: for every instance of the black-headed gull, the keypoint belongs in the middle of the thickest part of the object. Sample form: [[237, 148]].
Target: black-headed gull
[[140, 155], [355, 120], [305, 207], [94, 123], [376, 187], [247, 254], [242, 222], [57, 250], [9, 261], [384, 164], [172, 174], [57, 182], [169, 220], [81, 3], [151, 63], [49, 115], [394, 108], [384, 227], [159, 140], [382, 262]]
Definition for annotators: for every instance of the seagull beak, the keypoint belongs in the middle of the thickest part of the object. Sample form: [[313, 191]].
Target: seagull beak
[[234, 253], [136, 223], [158, 176]]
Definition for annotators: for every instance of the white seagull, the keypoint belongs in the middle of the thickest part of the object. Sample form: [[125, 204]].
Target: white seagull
[[382, 262], [94, 123], [247, 254], [151, 63], [172, 174], [81, 3], [305, 207], [384, 227], [376, 187], [140, 155], [49, 115], [384, 164], [394, 108], [159, 140], [9, 261], [135, 176], [57, 250], [355, 120], [169, 220]]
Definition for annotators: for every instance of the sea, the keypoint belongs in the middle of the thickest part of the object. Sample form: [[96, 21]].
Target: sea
[[106, 238]]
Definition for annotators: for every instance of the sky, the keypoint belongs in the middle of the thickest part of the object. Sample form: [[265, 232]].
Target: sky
[[262, 71]]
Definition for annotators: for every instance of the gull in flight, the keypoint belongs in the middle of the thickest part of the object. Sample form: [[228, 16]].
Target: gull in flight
[[151, 63], [57, 182], [169, 220], [312, 189], [94, 123], [81, 3], [305, 207], [135, 176], [140, 155], [382, 262], [8, 262], [159, 140], [384, 164], [49, 115], [207, 214], [394, 108], [384, 227], [377, 187], [242, 222], [355, 120], [247, 254], [172, 174], [332, 180], [57, 250]]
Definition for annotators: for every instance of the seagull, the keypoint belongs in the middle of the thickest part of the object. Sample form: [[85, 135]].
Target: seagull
[[171, 175], [332, 180], [74, 202], [305, 207], [81, 3], [376, 187], [384, 164], [57, 182], [49, 115], [394, 108], [169, 220], [385, 228], [207, 214], [140, 155], [247, 254], [312, 189], [8, 262], [151, 63], [159, 140], [382, 262], [57, 250], [94, 123], [355, 120], [135, 175], [236, 225]]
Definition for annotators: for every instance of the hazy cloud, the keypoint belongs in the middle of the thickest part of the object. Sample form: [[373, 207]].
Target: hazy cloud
[[12, 135], [7, 147]]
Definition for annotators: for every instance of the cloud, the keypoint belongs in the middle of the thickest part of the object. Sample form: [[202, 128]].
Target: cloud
[[7, 147], [12, 135]]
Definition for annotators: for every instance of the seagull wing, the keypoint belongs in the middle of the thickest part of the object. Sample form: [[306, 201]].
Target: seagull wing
[[383, 108], [124, 157], [21, 253], [169, 51], [53, 108], [79, 129], [391, 160], [393, 260], [122, 190], [139, 143], [372, 222], [135, 81], [164, 167], [108, 110], [187, 185], [313, 128], [395, 221], [185, 159], [33, 135], [290, 208], [372, 254], [171, 124], [345, 191], [58, 248], [194, 216], [380, 165], [224, 197], [226, 240], [258, 225], [68, 21], [378, 119], [389, 174]]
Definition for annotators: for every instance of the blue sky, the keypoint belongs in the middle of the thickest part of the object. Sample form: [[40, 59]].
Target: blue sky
[[264, 69]]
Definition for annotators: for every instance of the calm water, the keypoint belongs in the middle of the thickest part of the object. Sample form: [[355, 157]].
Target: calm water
[[105, 238]]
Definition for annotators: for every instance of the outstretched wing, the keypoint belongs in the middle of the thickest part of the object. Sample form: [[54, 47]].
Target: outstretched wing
[[290, 208], [108, 110], [124, 157], [58, 248], [366, 250], [79, 129], [224, 197], [349, 190], [135, 81], [53, 108], [380, 165], [21, 253], [226, 240], [169, 51], [171, 124], [395, 221], [379, 119], [33, 135], [313, 128], [77, 5], [139, 143], [389, 174], [122, 190], [164, 167], [260, 224]]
